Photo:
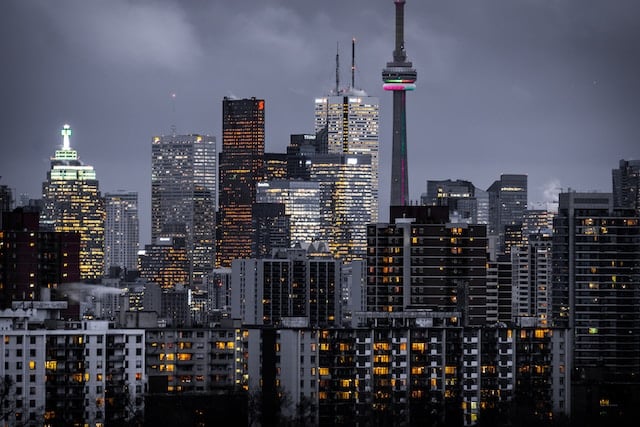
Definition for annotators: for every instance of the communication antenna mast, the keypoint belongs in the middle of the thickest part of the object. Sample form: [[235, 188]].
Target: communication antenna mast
[[337, 68], [353, 63], [173, 113]]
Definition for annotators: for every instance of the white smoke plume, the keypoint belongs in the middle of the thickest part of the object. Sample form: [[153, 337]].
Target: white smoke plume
[[78, 291]]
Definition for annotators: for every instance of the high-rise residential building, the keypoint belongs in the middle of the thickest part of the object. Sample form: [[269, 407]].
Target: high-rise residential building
[[596, 271], [399, 76], [6, 200], [32, 259], [292, 282], [72, 202], [81, 373], [241, 168], [507, 204], [421, 261], [183, 196], [122, 233], [302, 205], [345, 202], [626, 184], [531, 280]]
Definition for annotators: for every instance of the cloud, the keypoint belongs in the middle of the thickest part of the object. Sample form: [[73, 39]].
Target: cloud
[[126, 33]]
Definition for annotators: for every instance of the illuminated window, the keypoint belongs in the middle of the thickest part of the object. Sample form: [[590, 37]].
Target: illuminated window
[[32, 364], [380, 370], [51, 364], [450, 370], [323, 371], [418, 346]]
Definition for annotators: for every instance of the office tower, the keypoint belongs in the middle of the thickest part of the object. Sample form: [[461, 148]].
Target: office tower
[[32, 259], [72, 202], [165, 262], [183, 196], [345, 202], [122, 234], [347, 121], [482, 203], [301, 200], [596, 271], [351, 119], [507, 204], [299, 150], [420, 261], [272, 229], [399, 76], [275, 166], [458, 195], [241, 167], [626, 184], [536, 221]]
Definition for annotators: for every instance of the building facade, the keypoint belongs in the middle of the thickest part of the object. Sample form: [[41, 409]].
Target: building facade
[[241, 168], [596, 271], [183, 196], [72, 203], [122, 231], [351, 119]]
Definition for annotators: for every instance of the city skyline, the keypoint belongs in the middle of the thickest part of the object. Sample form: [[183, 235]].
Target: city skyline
[[547, 90]]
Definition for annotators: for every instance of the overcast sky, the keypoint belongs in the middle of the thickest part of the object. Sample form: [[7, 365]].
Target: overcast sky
[[548, 88]]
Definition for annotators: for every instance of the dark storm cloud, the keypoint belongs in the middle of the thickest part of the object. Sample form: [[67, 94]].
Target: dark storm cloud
[[542, 87]]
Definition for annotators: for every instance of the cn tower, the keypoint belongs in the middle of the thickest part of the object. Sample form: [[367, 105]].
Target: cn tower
[[399, 76]]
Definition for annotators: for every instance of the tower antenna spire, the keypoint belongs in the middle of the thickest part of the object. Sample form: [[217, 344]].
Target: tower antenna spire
[[66, 134], [353, 63], [173, 113], [337, 68], [399, 76]]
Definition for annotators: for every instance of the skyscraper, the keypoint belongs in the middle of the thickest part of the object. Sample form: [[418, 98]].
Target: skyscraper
[[241, 167], [596, 271], [423, 262], [32, 259], [302, 205], [626, 184], [350, 118], [122, 233], [183, 196], [345, 202], [72, 202], [507, 204], [399, 76], [459, 195]]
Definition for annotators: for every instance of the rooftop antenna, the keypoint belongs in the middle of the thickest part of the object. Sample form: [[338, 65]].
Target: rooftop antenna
[[173, 111], [337, 68], [353, 63]]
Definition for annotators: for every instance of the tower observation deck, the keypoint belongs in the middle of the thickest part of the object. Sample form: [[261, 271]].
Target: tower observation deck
[[399, 76]]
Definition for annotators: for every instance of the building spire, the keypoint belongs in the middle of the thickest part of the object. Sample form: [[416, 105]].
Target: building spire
[[353, 63], [66, 133], [337, 68]]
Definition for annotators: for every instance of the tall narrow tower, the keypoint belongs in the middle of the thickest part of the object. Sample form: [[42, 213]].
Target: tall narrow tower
[[399, 76]]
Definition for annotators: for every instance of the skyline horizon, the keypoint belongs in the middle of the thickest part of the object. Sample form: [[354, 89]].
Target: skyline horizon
[[543, 89]]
